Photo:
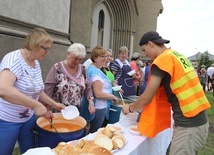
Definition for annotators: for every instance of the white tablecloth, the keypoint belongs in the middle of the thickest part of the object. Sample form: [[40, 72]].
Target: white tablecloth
[[141, 145]]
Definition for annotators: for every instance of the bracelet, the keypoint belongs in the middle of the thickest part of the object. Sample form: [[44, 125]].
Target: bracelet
[[91, 97], [130, 109], [92, 103]]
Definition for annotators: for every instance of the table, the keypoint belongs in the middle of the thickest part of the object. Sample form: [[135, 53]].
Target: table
[[141, 145]]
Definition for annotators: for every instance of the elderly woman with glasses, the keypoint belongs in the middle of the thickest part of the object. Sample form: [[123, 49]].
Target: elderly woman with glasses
[[101, 86], [21, 92], [67, 80]]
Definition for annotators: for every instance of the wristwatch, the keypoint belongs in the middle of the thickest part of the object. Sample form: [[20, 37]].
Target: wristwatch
[[92, 98]]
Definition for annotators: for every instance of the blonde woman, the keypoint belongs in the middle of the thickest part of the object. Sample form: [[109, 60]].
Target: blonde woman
[[120, 67], [21, 92]]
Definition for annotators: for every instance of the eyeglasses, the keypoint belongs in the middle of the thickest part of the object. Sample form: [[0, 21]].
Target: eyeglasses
[[44, 48], [104, 56]]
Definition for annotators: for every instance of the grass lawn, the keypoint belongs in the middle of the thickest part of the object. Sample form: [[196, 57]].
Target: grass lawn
[[209, 147]]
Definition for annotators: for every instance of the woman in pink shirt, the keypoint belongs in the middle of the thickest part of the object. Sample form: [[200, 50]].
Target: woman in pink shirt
[[134, 60]]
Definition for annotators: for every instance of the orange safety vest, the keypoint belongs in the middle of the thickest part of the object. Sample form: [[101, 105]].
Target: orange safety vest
[[184, 84], [156, 116]]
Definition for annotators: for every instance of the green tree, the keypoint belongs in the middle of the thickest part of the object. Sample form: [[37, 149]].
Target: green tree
[[205, 60]]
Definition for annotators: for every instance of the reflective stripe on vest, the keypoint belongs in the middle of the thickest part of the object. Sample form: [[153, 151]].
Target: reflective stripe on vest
[[184, 82]]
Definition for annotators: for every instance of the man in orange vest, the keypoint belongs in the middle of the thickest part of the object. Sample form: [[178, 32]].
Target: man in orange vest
[[174, 84]]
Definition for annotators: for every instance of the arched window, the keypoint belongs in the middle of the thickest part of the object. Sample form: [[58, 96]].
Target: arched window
[[101, 27], [101, 19]]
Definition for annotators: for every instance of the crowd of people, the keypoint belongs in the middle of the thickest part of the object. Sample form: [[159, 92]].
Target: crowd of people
[[206, 77], [24, 96]]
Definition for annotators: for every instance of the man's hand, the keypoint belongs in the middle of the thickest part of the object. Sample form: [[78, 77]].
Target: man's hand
[[125, 109]]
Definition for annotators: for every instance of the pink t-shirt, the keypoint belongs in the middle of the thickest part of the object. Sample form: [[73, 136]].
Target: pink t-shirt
[[134, 67]]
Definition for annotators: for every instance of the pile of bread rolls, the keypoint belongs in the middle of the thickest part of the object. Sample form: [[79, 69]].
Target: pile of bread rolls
[[83, 147], [110, 139], [106, 140]]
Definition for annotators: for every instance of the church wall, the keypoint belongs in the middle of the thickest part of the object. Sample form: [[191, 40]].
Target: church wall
[[71, 21]]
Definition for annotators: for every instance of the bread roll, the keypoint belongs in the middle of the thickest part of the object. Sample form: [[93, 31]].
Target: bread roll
[[88, 145], [117, 129], [100, 130], [64, 150], [81, 143], [74, 151], [59, 147], [118, 142], [97, 150], [104, 141], [112, 129], [120, 135], [108, 132]]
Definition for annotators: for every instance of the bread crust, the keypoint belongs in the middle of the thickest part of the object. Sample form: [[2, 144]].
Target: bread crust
[[81, 143], [99, 151]]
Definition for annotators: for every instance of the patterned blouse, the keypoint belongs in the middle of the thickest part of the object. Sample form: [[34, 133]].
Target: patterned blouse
[[66, 88]]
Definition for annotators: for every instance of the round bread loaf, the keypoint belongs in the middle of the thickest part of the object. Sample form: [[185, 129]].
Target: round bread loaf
[[104, 141], [88, 145], [64, 150], [107, 132], [118, 142], [120, 135], [74, 151], [99, 132], [58, 148], [117, 129], [98, 150], [81, 143], [112, 129]]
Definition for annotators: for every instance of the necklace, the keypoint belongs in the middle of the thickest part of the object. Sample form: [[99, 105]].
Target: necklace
[[30, 63]]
